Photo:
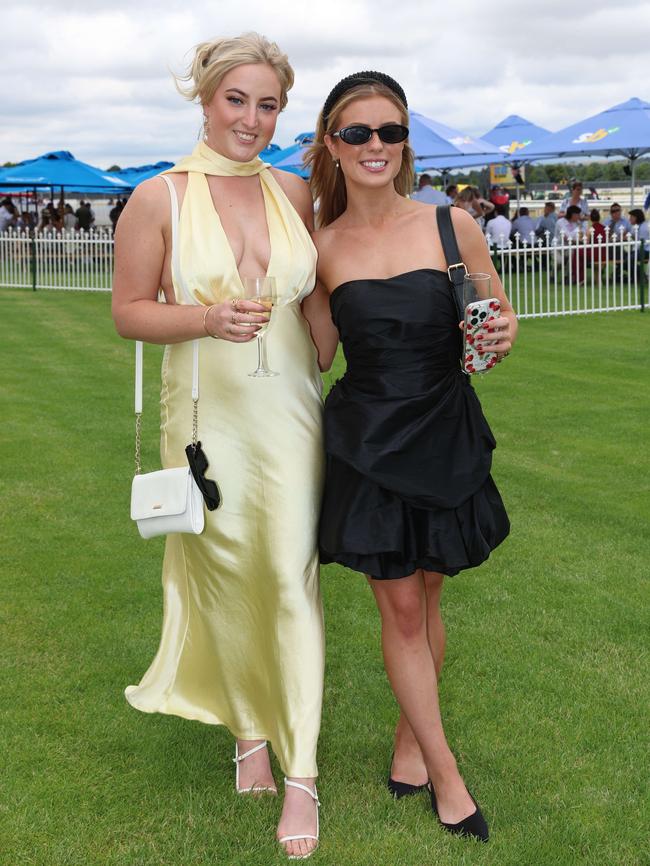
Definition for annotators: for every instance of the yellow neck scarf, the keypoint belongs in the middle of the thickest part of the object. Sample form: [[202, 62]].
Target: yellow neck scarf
[[207, 270], [207, 161]]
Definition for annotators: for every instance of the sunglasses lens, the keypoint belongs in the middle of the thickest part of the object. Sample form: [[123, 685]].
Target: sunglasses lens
[[355, 134], [393, 134]]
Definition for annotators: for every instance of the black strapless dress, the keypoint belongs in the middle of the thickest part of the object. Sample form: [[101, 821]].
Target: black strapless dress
[[409, 451]]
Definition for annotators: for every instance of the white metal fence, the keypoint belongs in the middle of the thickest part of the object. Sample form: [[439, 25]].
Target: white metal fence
[[560, 276], [57, 259], [542, 276]]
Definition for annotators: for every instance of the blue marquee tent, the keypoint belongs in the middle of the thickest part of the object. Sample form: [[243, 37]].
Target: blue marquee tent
[[291, 158], [514, 136], [60, 169], [431, 140], [137, 173], [622, 130]]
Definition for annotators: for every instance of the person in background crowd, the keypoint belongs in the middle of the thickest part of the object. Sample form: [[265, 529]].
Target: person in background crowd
[[638, 221], [6, 213], [69, 218], [597, 229], [617, 224], [575, 199], [523, 225], [500, 196], [470, 199], [593, 192], [10, 219], [426, 193], [568, 226], [26, 220], [451, 193], [546, 223], [640, 226], [114, 213], [597, 235], [646, 203], [499, 228], [84, 216]]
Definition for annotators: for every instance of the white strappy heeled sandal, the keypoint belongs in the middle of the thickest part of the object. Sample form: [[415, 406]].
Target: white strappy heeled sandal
[[254, 789], [314, 795]]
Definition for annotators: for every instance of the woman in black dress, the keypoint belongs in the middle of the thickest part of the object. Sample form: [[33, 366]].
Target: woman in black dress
[[408, 492]]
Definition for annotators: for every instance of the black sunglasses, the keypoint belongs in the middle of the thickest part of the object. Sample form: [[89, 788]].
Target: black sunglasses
[[392, 133]]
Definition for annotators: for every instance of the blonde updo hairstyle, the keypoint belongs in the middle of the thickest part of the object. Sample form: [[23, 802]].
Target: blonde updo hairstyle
[[326, 180], [212, 60]]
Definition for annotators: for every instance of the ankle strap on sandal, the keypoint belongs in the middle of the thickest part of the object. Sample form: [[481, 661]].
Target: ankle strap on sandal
[[313, 794], [247, 754]]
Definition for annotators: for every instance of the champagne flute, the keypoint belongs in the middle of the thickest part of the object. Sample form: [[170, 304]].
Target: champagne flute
[[263, 291], [476, 287]]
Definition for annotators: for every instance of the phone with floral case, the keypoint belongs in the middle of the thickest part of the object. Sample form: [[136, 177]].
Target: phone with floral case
[[477, 316]]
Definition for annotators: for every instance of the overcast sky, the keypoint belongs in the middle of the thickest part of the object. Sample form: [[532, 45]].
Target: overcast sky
[[94, 78]]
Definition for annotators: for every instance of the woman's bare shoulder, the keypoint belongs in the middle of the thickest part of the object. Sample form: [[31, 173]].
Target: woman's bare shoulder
[[297, 191]]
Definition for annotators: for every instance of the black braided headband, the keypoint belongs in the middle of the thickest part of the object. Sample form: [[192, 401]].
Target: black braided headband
[[350, 81]]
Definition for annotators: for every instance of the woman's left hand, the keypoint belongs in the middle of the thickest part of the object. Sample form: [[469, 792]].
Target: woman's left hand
[[497, 337]]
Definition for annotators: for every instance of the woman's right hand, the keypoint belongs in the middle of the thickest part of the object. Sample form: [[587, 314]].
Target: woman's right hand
[[237, 320]]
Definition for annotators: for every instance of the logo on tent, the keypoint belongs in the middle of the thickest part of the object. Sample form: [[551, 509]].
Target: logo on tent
[[591, 137], [514, 146]]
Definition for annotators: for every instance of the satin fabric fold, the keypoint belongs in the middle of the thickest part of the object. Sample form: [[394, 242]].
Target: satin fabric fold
[[242, 636], [203, 240]]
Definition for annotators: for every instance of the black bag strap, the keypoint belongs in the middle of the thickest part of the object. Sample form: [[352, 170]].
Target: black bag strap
[[456, 268]]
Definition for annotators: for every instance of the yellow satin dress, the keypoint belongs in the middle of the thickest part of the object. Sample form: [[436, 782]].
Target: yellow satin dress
[[242, 636]]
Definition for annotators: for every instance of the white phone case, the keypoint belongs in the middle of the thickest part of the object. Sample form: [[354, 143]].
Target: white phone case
[[477, 315]]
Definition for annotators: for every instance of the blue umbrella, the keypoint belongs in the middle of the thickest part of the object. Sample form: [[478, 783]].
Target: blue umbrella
[[269, 150], [427, 137], [133, 175], [291, 158], [430, 140], [60, 168], [512, 136], [622, 130]]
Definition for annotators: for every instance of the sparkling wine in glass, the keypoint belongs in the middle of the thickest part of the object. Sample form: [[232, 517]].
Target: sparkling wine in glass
[[263, 291]]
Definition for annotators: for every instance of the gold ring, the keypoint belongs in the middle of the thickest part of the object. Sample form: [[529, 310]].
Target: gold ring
[[234, 302], [233, 319]]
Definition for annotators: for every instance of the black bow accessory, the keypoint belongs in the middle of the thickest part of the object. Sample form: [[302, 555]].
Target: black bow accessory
[[198, 465]]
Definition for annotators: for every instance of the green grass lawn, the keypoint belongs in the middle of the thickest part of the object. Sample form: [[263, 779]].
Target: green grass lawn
[[545, 691]]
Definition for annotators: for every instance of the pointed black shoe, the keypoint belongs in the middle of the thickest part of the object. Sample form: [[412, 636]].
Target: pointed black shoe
[[403, 789], [474, 825]]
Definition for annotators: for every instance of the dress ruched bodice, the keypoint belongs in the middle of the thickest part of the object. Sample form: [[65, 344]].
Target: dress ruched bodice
[[404, 426], [404, 386]]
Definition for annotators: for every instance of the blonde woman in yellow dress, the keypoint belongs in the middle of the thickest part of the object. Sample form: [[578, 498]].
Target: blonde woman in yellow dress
[[242, 635]]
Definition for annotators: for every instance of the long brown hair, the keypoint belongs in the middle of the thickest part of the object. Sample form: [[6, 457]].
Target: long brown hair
[[326, 180]]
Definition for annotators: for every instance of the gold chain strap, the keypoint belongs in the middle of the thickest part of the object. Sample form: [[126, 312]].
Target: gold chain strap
[[195, 421], [138, 431]]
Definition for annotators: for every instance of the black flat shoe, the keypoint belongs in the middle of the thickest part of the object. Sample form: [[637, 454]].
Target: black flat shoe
[[474, 825], [403, 789]]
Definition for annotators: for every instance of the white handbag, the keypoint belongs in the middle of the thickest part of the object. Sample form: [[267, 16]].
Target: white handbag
[[168, 500]]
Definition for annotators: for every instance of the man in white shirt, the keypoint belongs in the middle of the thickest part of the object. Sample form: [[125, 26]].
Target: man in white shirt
[[426, 192], [498, 229], [568, 226]]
